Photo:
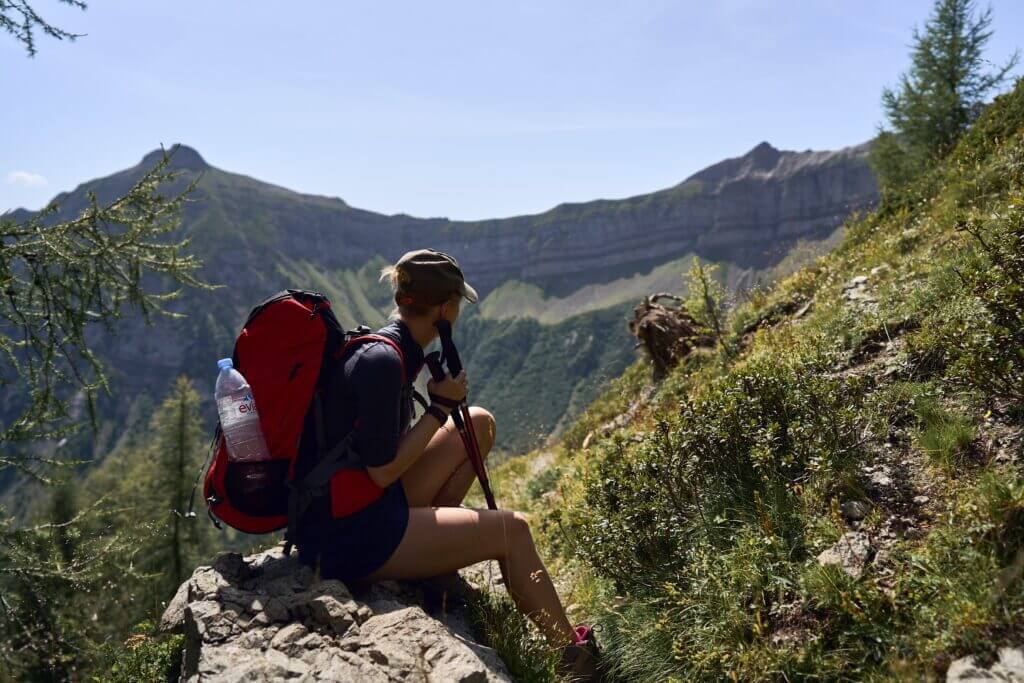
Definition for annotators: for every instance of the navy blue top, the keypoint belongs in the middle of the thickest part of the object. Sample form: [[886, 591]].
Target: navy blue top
[[368, 385]]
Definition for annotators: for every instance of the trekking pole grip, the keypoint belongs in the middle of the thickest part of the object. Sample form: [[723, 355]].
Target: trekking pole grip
[[433, 362], [448, 350]]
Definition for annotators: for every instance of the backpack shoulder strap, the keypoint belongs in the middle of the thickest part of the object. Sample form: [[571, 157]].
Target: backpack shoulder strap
[[363, 338], [407, 388]]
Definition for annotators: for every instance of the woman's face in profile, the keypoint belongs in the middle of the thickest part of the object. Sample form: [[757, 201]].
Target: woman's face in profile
[[452, 308]]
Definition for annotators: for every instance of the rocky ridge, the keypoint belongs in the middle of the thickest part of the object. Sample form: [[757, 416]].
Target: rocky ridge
[[747, 209], [266, 617]]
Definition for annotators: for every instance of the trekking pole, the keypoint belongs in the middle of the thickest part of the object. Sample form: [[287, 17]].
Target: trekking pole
[[450, 356], [460, 415], [468, 436]]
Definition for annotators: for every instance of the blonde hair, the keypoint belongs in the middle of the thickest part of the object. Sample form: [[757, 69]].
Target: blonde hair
[[395, 276]]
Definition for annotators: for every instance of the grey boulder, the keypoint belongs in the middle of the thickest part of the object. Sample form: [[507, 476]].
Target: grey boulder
[[267, 618]]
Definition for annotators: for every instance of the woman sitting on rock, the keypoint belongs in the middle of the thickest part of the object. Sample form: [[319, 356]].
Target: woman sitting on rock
[[417, 528]]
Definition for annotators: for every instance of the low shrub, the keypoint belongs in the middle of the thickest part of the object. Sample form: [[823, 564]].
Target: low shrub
[[755, 447], [992, 354], [144, 657], [962, 592]]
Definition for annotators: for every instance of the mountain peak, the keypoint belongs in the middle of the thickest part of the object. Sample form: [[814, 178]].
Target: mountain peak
[[763, 156], [183, 158]]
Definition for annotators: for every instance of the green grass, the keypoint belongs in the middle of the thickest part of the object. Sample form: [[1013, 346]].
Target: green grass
[[944, 435], [543, 483], [524, 652]]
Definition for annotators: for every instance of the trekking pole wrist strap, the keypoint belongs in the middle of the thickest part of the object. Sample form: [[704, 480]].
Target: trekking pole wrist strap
[[438, 413], [448, 403]]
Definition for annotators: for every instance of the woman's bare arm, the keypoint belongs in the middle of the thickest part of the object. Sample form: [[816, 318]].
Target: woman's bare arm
[[410, 448], [412, 444]]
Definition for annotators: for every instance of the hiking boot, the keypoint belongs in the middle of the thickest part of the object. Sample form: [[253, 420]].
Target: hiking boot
[[579, 660]]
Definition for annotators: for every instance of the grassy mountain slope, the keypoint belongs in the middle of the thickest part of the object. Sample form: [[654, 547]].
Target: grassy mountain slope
[[874, 413], [522, 299]]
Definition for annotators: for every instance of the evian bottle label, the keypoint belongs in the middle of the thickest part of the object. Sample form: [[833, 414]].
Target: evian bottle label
[[237, 410]]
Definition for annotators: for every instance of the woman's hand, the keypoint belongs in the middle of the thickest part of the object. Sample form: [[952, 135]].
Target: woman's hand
[[452, 388]]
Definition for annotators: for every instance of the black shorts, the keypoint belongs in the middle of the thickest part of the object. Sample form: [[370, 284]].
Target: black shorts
[[359, 544]]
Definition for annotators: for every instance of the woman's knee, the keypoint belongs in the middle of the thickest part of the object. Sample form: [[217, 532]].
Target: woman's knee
[[485, 427], [511, 530], [517, 526]]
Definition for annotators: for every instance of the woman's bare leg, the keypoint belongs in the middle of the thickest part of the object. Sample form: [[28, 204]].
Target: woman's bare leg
[[440, 540], [443, 475]]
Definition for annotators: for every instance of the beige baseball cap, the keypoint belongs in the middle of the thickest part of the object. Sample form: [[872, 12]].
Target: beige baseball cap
[[433, 274]]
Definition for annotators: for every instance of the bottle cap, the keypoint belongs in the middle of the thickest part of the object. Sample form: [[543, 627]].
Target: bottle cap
[[225, 363]]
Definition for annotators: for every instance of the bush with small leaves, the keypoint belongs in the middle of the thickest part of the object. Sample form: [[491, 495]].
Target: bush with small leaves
[[756, 447]]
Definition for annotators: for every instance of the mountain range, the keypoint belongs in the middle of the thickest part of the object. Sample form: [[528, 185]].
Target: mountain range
[[556, 287]]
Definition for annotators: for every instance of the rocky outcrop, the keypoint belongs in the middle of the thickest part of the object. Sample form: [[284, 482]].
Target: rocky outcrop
[[265, 617], [747, 210]]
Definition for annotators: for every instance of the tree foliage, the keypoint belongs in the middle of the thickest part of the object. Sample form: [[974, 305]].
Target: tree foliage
[[146, 485], [54, 577], [74, 584], [941, 94], [20, 19], [154, 485], [706, 300], [58, 281]]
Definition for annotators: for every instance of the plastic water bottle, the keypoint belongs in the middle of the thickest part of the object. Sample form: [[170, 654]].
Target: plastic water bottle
[[238, 417]]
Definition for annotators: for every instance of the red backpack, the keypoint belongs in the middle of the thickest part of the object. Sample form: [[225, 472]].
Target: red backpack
[[287, 351]]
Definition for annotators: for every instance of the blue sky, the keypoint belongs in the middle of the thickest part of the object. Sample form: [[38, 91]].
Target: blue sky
[[463, 109]]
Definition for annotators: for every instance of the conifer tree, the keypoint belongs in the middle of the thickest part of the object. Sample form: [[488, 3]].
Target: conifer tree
[[143, 489], [178, 453], [706, 299], [63, 510], [58, 281], [940, 95], [56, 579]]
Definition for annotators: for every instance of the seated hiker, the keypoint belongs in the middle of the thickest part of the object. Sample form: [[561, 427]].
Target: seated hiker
[[420, 472]]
